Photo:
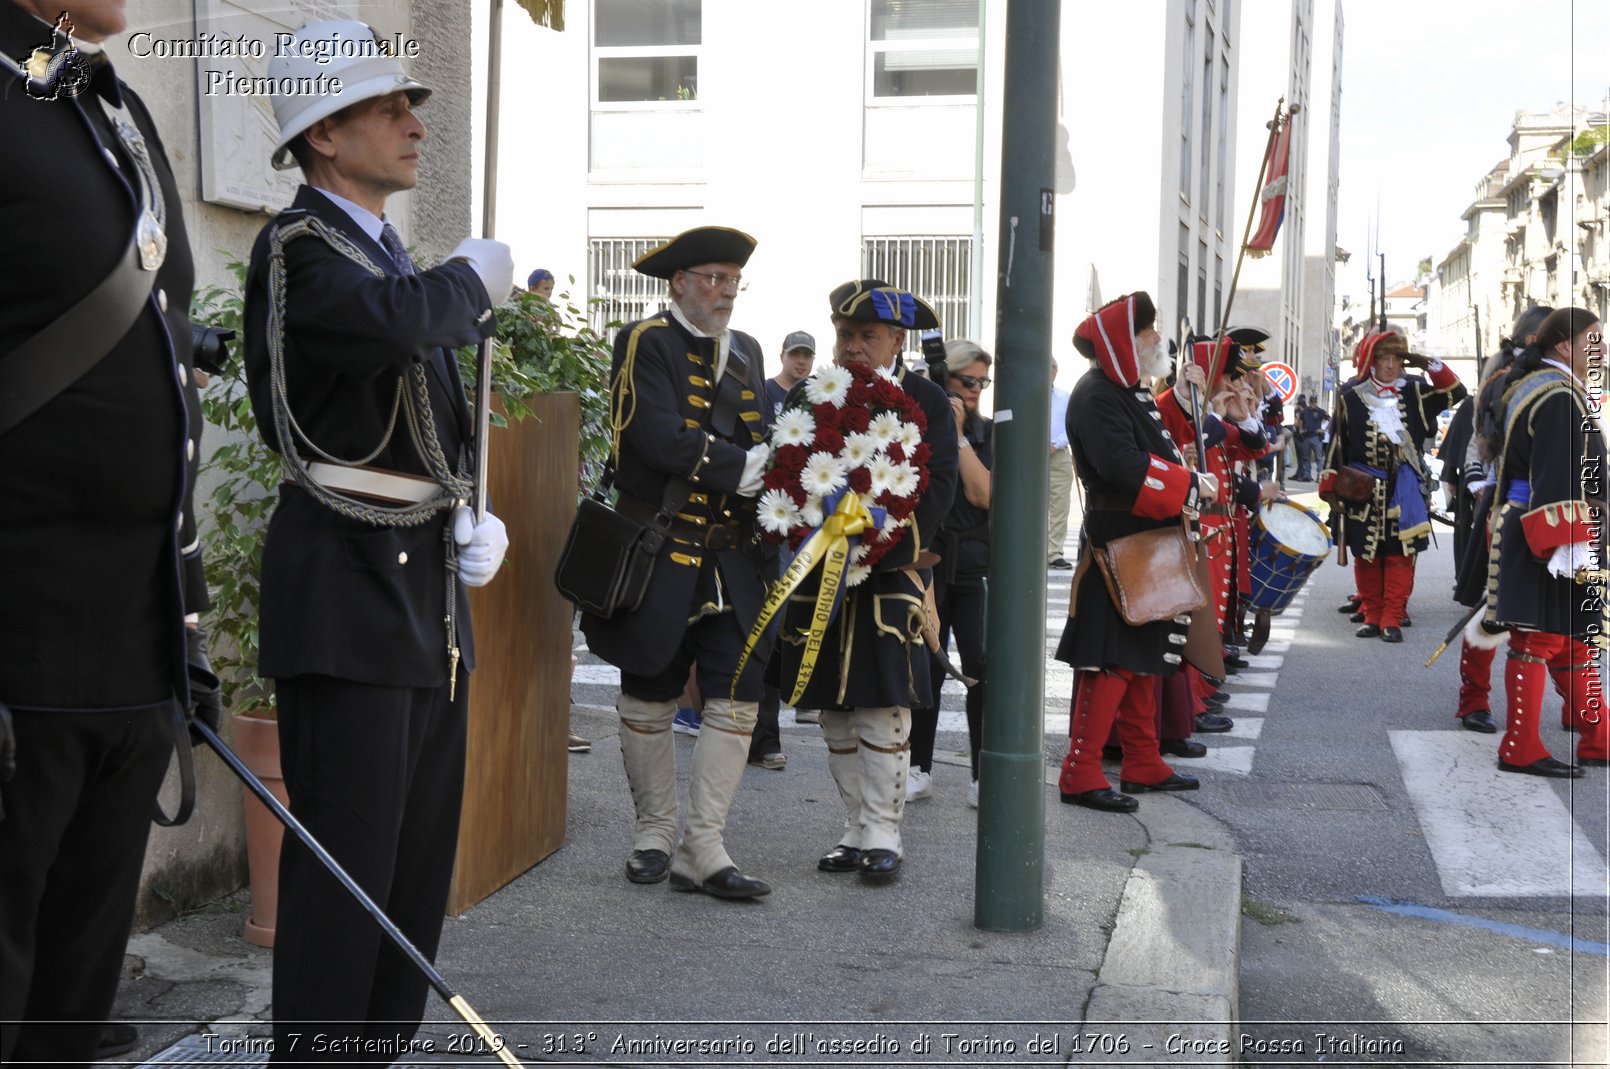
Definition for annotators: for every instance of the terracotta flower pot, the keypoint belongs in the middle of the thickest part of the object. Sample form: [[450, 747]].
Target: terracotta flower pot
[[257, 741]]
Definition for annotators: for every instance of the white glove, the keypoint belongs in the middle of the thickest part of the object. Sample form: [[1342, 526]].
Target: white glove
[[1207, 487], [492, 261], [749, 483], [1573, 557], [1251, 425], [481, 546]]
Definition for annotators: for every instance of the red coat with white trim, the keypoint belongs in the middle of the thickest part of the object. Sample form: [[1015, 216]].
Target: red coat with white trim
[[1134, 479], [1551, 493]]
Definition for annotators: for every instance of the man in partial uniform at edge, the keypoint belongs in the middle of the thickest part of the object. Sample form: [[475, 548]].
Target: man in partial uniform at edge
[[1135, 479], [1386, 418], [365, 619], [98, 548], [1548, 537], [873, 665], [1060, 495], [689, 439]]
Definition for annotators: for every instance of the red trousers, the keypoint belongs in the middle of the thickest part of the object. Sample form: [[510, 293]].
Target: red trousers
[[1534, 655], [1384, 586], [1098, 699]]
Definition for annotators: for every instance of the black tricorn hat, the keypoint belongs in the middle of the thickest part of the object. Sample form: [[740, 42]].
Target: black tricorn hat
[[875, 301], [701, 245], [1250, 339]]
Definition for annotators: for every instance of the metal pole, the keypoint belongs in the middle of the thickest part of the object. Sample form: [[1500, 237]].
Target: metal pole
[[1009, 883], [494, 72]]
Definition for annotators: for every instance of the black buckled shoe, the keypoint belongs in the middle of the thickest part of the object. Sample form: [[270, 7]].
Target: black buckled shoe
[[1176, 782], [879, 864], [1213, 723], [1356, 618], [1391, 634], [1182, 748], [1103, 798], [1368, 631], [1481, 720], [1349, 606], [840, 859], [1405, 621], [1219, 697], [648, 866], [1546, 766], [728, 883]]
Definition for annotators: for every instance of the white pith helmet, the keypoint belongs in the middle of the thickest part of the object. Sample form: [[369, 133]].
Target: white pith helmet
[[349, 51]]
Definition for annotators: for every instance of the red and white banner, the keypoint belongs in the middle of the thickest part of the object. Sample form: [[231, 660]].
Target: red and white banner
[[1273, 194]]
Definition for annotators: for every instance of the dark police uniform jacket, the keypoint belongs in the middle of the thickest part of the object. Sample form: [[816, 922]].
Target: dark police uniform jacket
[[1369, 529], [663, 381], [341, 597], [1134, 480], [871, 657], [97, 542], [1551, 492]]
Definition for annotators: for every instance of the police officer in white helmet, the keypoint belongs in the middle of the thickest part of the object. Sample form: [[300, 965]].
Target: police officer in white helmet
[[365, 627]]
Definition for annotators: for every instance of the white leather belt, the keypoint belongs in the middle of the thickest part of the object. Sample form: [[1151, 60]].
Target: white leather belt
[[379, 484]]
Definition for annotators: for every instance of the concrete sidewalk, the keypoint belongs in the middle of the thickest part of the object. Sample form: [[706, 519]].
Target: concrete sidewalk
[[574, 964]]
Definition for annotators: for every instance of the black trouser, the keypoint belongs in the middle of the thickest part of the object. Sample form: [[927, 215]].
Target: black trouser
[[77, 817], [961, 612], [377, 775], [768, 737]]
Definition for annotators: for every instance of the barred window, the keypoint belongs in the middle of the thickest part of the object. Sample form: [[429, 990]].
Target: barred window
[[937, 269], [619, 294]]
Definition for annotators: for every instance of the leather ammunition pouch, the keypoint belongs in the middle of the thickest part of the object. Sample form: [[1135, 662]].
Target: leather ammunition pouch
[[1152, 575]]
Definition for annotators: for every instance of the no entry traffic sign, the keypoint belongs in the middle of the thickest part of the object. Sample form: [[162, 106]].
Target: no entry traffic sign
[[1283, 377]]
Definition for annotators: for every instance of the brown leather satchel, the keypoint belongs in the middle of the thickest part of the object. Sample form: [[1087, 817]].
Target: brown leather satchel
[[1152, 575], [1354, 484]]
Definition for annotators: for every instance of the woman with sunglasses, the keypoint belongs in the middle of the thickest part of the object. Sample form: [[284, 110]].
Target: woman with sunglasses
[[963, 546]]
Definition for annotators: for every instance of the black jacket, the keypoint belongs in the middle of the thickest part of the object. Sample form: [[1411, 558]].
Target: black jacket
[[341, 597], [97, 541]]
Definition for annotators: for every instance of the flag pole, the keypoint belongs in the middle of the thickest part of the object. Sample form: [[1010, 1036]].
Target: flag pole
[[1246, 235]]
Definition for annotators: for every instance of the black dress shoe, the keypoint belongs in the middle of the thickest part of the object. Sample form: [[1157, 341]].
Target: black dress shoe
[[1547, 766], [1350, 605], [1220, 696], [1176, 782], [1368, 631], [1391, 634], [1356, 618], [1213, 723], [1182, 748], [1405, 621], [648, 866], [1481, 720], [840, 859], [1103, 798], [115, 1038], [1236, 661], [729, 883], [879, 864], [1061, 564]]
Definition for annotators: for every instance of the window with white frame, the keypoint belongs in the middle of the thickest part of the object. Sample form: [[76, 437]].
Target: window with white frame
[[936, 268], [922, 49], [645, 114], [619, 293], [646, 50]]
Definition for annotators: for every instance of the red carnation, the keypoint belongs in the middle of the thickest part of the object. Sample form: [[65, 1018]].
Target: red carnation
[[796, 492], [890, 394], [829, 440], [825, 414], [791, 459], [856, 420], [860, 394], [860, 480], [896, 451], [920, 455]]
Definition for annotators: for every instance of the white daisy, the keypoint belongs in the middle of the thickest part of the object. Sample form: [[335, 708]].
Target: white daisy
[[828, 386], [810, 514], [885, 427], [822, 475], [857, 574], [882, 470], [859, 553], [796, 426], [909, 436], [777, 513], [888, 373], [859, 449], [905, 480]]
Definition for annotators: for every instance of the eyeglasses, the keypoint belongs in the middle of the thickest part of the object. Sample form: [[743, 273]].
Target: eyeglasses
[[721, 281], [972, 383]]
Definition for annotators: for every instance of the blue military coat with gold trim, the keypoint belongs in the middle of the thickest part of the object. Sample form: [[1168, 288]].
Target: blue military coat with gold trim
[[663, 392]]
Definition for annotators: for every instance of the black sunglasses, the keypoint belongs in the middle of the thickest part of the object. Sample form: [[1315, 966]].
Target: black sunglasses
[[972, 383]]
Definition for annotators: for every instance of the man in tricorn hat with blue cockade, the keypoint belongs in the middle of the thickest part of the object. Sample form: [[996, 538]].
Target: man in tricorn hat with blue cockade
[[872, 667], [688, 441]]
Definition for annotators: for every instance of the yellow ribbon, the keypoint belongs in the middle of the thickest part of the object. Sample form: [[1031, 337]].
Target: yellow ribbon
[[829, 547]]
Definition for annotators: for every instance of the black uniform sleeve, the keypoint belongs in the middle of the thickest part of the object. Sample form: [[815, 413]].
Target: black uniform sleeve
[[649, 378]]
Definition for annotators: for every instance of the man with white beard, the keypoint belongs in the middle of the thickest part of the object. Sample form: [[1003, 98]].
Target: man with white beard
[[1135, 480]]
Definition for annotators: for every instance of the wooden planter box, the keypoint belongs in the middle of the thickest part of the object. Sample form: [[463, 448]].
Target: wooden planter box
[[514, 790]]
